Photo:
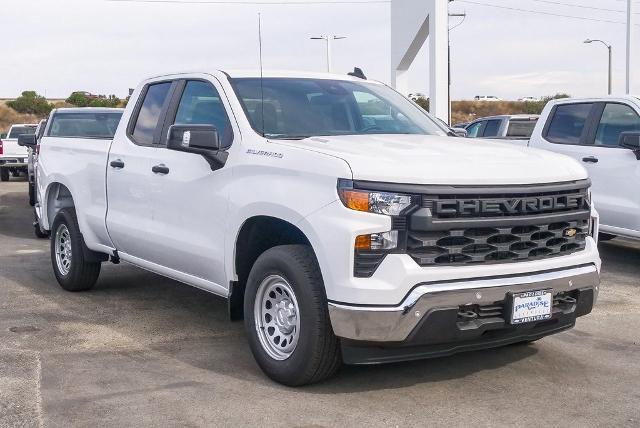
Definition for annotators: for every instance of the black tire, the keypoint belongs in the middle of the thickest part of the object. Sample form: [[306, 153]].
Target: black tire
[[604, 237], [317, 353], [32, 194], [81, 275], [4, 174], [39, 232]]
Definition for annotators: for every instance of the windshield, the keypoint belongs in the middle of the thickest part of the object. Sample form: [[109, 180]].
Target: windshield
[[84, 125], [299, 108], [19, 130]]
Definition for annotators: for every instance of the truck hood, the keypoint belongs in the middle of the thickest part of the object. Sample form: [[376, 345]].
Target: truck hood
[[427, 159]]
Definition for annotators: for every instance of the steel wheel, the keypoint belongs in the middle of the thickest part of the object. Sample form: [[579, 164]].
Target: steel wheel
[[63, 249], [277, 318]]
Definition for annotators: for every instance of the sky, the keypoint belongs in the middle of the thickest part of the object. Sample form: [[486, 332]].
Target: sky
[[105, 47]]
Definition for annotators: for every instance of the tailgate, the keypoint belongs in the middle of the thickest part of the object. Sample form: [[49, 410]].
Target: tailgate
[[11, 149]]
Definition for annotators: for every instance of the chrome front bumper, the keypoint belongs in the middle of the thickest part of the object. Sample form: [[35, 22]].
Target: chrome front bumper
[[395, 323]]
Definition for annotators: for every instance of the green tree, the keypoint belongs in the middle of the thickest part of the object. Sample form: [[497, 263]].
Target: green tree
[[31, 103], [536, 107], [423, 102], [80, 99]]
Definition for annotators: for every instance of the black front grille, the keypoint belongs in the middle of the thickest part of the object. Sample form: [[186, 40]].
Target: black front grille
[[497, 244], [464, 227]]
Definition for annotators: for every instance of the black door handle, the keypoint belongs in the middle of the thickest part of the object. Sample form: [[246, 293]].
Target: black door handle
[[160, 169], [590, 159], [117, 163]]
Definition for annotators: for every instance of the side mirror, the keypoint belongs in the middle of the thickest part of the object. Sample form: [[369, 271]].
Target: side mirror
[[198, 139], [27, 140], [460, 132], [630, 140]]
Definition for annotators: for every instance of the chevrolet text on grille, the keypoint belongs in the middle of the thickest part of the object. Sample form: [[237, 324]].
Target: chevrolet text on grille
[[511, 205]]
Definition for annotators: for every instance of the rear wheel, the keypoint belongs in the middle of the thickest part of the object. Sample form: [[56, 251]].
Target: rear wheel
[[71, 269], [287, 319], [32, 194], [4, 174], [604, 237]]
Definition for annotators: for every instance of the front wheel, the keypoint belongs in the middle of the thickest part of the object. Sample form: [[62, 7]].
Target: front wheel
[[71, 269], [287, 319], [4, 174]]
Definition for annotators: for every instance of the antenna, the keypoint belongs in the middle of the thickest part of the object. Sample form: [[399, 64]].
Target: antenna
[[261, 72]]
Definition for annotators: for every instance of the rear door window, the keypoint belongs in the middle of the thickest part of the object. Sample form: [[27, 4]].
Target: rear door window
[[492, 128], [568, 123], [150, 111], [616, 119]]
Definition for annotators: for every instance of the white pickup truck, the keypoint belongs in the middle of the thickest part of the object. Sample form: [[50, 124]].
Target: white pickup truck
[[339, 233], [13, 158], [604, 135]]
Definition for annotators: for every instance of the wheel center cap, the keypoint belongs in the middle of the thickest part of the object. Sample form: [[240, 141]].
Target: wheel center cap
[[285, 316]]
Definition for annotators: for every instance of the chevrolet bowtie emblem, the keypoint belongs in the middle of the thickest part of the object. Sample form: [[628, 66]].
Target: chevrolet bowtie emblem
[[570, 232]]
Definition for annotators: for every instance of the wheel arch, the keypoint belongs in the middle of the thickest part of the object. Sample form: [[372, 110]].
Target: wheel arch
[[256, 235], [58, 196]]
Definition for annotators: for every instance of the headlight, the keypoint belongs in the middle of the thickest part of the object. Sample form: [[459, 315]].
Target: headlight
[[374, 202]]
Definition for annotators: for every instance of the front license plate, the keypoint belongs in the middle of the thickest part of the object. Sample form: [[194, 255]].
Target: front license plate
[[531, 306]]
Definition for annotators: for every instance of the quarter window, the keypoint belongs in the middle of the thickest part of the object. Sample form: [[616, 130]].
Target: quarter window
[[150, 111], [201, 105], [616, 118], [568, 123]]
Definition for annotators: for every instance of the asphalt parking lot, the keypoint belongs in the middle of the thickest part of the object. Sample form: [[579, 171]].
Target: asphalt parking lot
[[143, 350]]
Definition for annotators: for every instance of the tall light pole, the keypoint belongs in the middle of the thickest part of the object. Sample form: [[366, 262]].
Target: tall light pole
[[630, 36], [609, 49], [328, 39]]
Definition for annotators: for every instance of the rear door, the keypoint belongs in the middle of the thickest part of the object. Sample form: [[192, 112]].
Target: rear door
[[589, 133], [129, 175]]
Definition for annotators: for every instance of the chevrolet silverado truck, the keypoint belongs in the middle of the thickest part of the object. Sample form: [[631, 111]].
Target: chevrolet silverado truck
[[603, 134], [339, 234], [13, 158]]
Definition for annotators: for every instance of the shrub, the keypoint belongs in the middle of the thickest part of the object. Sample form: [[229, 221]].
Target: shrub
[[31, 103]]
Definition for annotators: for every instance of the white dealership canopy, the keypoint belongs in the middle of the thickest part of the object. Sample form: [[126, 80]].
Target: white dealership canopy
[[413, 22]]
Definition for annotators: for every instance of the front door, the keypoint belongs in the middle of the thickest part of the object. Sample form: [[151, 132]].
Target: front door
[[187, 200]]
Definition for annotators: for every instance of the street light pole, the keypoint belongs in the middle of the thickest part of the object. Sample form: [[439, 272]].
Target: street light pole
[[609, 48], [630, 36], [328, 40]]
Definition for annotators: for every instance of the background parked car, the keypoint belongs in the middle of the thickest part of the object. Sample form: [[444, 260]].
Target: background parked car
[[519, 126], [486, 98], [13, 158], [529, 99], [604, 135]]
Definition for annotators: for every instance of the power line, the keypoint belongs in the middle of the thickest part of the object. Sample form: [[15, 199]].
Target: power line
[[250, 2], [583, 18], [579, 6]]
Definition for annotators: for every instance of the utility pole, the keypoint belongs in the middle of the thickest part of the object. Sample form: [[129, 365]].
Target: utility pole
[[630, 31], [608, 46], [328, 39]]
